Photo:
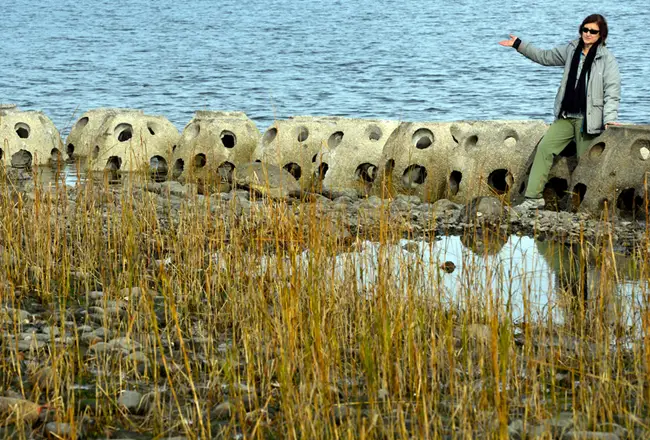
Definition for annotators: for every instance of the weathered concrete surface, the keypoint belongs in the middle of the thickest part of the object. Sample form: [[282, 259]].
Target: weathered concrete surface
[[27, 138], [458, 160], [124, 140], [490, 158], [351, 154], [213, 144], [613, 172], [416, 161], [295, 145]]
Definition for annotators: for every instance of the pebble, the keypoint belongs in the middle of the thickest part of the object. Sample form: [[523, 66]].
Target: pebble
[[130, 400], [589, 435], [223, 411], [59, 430]]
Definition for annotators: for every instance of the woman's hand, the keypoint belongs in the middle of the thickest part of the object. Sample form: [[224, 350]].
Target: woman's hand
[[508, 43]]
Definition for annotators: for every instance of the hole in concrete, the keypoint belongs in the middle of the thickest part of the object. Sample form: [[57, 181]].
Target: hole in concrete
[[367, 172], [2, 153], [177, 170], [69, 150], [123, 132], [113, 163], [270, 135], [225, 170], [389, 167], [314, 157], [578, 195], [96, 152], [414, 175], [81, 123], [471, 141], [454, 182], [55, 155], [22, 130], [193, 130], [158, 168], [597, 150], [21, 159], [373, 132], [322, 170], [641, 149], [510, 142], [500, 180], [629, 202], [152, 127], [173, 148], [293, 169], [228, 139], [522, 187], [422, 138], [199, 161], [303, 134], [335, 139], [258, 161], [558, 185]]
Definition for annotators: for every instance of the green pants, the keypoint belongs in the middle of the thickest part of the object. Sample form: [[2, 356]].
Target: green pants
[[558, 136]]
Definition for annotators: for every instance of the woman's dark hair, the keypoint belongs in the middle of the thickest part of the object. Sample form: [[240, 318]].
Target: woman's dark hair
[[602, 25]]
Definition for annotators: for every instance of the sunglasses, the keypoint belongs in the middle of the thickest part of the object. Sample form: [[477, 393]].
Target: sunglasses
[[585, 29]]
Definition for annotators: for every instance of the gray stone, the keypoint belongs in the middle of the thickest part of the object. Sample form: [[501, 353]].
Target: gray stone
[[411, 200], [59, 430], [130, 400], [485, 209], [223, 411], [589, 435], [267, 179]]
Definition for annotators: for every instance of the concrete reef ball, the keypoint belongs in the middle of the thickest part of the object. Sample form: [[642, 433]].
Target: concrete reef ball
[[123, 140], [27, 138], [213, 144], [613, 173], [326, 152], [458, 160]]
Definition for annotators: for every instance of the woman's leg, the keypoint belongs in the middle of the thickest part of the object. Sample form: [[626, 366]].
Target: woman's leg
[[583, 140], [558, 136]]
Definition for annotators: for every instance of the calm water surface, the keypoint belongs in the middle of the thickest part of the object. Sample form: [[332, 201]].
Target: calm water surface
[[410, 60]]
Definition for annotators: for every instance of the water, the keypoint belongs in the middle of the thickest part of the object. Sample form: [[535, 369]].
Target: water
[[412, 60], [520, 276]]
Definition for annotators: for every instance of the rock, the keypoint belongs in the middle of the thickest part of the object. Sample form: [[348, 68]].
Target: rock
[[139, 360], [372, 202], [267, 179], [59, 430], [7, 314], [516, 429], [411, 200], [383, 394], [130, 400], [223, 411], [177, 189], [613, 428], [589, 435], [15, 410], [485, 209], [96, 295], [349, 193]]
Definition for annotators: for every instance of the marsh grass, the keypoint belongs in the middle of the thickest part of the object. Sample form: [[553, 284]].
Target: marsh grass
[[255, 309]]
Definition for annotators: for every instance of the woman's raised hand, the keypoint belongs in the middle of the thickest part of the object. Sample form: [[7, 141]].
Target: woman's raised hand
[[508, 43]]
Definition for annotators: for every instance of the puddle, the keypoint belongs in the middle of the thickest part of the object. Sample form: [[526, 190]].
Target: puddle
[[520, 276]]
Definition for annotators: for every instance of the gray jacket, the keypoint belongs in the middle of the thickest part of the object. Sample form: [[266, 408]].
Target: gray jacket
[[603, 86]]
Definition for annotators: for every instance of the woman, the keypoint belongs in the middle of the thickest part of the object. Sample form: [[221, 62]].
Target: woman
[[586, 103]]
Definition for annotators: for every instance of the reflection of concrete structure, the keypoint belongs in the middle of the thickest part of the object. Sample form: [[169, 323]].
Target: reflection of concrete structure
[[459, 160], [327, 152], [122, 139], [27, 138], [213, 144], [484, 242]]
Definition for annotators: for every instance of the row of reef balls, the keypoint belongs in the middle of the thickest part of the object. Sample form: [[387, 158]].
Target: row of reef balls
[[455, 160]]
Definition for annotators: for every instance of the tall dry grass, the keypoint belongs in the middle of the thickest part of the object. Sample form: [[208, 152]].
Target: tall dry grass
[[258, 311]]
